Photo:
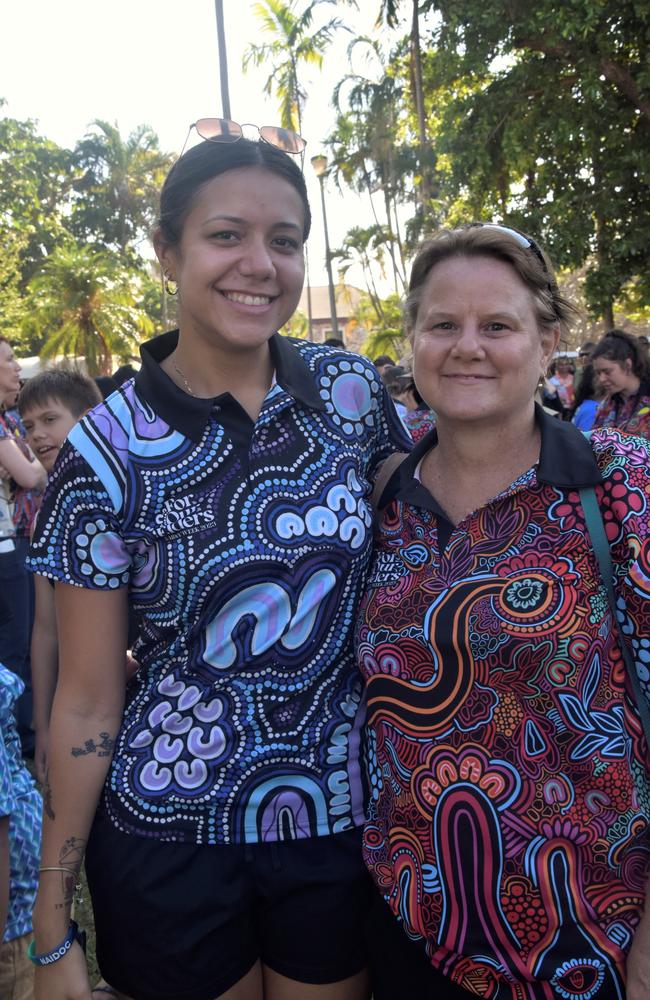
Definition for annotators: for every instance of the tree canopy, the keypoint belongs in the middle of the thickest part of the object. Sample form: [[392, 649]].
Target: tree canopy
[[74, 225], [537, 116]]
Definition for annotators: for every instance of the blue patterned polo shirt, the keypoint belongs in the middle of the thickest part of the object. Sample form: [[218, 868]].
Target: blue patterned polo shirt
[[245, 547], [20, 801]]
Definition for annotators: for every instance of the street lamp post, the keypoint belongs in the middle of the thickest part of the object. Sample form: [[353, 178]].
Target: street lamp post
[[319, 163], [223, 59]]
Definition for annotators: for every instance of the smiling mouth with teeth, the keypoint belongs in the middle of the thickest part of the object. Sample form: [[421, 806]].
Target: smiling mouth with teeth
[[248, 300]]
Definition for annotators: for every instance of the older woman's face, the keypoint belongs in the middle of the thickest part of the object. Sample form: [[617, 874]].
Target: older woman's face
[[9, 374], [478, 351]]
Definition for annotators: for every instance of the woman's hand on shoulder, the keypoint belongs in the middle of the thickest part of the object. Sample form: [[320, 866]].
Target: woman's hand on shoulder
[[27, 472]]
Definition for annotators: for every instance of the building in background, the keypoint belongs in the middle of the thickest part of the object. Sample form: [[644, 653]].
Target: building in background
[[347, 300]]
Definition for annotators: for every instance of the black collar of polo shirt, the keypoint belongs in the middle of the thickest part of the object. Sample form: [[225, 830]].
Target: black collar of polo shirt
[[566, 460], [189, 414]]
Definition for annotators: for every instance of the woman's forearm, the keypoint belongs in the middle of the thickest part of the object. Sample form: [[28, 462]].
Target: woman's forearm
[[81, 748], [27, 472], [45, 667]]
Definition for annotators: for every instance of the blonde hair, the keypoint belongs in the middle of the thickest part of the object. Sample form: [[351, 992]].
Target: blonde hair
[[478, 240]]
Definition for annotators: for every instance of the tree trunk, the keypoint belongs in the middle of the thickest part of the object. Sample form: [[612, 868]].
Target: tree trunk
[[418, 93], [608, 315], [391, 241], [223, 59]]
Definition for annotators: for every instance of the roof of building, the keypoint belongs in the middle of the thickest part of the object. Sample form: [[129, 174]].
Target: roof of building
[[347, 298]]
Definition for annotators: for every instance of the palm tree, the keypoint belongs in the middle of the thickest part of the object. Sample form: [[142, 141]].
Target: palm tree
[[117, 192], [365, 146], [389, 13], [293, 43], [363, 246], [385, 335], [85, 303]]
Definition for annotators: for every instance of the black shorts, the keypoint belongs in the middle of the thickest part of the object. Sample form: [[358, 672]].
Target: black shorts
[[186, 922], [399, 967]]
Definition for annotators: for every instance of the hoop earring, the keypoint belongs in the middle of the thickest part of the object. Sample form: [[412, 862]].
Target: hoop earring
[[171, 286]]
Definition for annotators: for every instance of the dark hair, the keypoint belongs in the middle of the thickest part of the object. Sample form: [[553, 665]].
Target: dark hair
[[123, 374], [105, 384], [487, 240], [619, 346], [383, 359], [587, 387], [398, 380], [210, 159], [70, 388], [334, 342]]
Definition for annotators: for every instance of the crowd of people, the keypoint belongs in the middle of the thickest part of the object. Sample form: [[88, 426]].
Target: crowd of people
[[340, 672]]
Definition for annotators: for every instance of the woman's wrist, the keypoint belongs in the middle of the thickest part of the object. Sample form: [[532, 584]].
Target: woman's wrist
[[50, 926], [52, 909]]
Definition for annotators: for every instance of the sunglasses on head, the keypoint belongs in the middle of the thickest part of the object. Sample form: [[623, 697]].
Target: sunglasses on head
[[224, 130], [524, 241], [527, 242]]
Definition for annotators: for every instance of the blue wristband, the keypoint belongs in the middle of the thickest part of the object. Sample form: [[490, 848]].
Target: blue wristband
[[49, 957]]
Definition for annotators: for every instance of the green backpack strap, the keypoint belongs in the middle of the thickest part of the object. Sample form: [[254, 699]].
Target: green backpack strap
[[600, 544]]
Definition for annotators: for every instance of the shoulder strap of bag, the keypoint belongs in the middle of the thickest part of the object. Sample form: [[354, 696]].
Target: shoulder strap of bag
[[596, 530], [385, 472]]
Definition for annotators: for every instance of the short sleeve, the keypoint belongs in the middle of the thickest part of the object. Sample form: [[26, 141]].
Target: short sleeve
[[78, 536], [4, 430]]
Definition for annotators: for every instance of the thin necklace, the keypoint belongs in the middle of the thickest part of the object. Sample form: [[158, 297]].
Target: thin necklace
[[188, 387]]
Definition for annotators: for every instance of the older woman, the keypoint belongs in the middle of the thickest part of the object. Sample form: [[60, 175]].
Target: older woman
[[510, 812]]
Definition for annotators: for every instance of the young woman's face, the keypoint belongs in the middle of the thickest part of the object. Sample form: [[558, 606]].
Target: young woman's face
[[613, 377], [239, 264], [9, 374], [478, 351]]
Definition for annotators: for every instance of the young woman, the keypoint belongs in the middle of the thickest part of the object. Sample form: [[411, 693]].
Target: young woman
[[223, 493], [621, 365], [510, 813]]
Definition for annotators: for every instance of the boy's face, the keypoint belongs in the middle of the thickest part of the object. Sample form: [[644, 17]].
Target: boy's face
[[47, 427]]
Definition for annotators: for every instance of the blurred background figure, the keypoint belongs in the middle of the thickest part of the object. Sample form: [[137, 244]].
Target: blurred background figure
[[622, 367], [588, 394], [562, 379]]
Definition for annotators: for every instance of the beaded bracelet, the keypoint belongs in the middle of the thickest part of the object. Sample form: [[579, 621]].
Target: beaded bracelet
[[49, 957]]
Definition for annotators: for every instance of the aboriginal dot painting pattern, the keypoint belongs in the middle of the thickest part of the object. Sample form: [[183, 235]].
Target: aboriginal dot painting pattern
[[510, 803], [244, 721]]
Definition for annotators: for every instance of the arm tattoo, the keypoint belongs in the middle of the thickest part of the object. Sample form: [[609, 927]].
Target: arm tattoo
[[103, 749], [70, 856], [47, 797], [72, 853]]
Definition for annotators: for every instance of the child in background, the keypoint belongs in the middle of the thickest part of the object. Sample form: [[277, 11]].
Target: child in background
[[50, 404], [20, 840]]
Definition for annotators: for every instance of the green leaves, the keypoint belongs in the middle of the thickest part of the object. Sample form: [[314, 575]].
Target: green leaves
[[72, 226], [85, 303], [293, 43]]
